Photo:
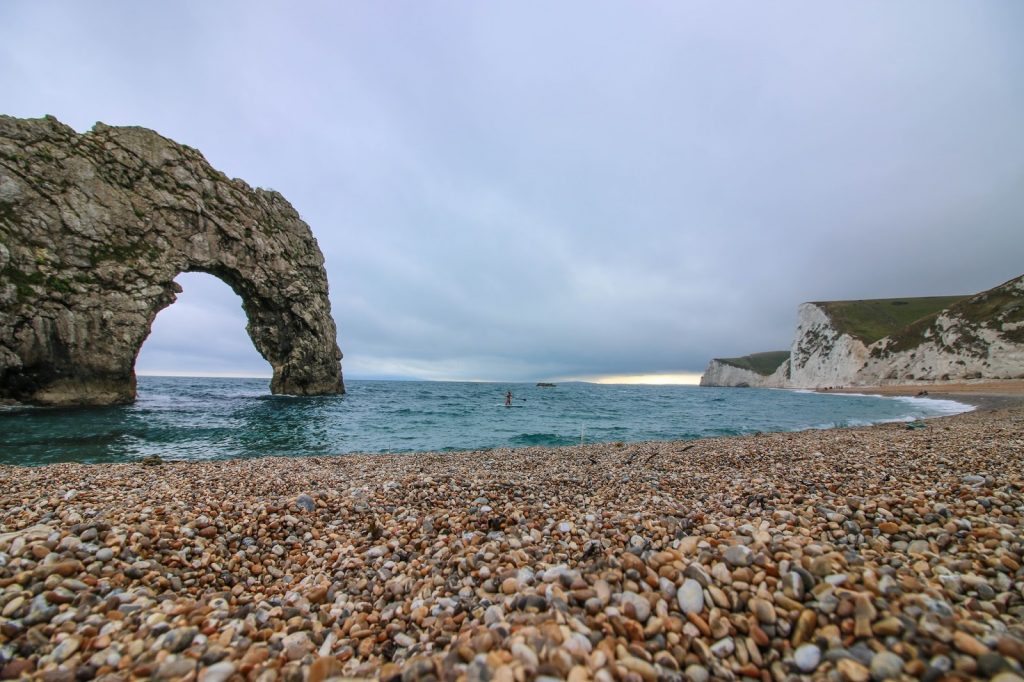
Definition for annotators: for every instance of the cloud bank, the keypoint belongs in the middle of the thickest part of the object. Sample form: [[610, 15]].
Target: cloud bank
[[528, 191]]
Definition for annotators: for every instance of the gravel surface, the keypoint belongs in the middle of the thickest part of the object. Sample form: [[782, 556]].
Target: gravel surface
[[858, 554]]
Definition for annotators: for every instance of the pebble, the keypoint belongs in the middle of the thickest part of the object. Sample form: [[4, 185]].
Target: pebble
[[179, 639], [65, 649], [852, 671], [968, 644], [807, 657], [697, 673], [723, 647], [1007, 677], [174, 669], [739, 555], [886, 665], [690, 596], [635, 606], [764, 610], [806, 622], [218, 672], [990, 663], [733, 557]]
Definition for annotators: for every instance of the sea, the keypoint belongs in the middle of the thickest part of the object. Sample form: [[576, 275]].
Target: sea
[[181, 418]]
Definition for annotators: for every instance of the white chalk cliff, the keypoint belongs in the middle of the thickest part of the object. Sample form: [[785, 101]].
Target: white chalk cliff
[[977, 338], [822, 355], [721, 373]]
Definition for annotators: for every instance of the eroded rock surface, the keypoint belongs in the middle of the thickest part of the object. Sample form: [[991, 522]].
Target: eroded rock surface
[[93, 230], [978, 337]]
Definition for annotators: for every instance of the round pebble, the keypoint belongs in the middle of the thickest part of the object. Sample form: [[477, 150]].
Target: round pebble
[[730, 556], [807, 657], [886, 665]]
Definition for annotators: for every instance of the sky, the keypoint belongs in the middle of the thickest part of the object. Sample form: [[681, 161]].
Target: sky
[[521, 191]]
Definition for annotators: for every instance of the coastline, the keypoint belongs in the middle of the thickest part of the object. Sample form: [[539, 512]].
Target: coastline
[[983, 395], [842, 551]]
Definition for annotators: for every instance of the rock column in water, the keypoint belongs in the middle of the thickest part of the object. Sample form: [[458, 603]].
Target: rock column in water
[[93, 230]]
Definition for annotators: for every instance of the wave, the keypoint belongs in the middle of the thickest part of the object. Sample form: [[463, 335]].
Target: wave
[[542, 439], [939, 407], [942, 405]]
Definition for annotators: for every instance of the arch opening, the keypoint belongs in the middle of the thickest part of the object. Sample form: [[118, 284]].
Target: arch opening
[[145, 210], [202, 334]]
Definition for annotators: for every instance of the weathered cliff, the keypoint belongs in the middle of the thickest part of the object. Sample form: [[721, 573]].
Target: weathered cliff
[[822, 355], [981, 337], [896, 341], [93, 230], [760, 370]]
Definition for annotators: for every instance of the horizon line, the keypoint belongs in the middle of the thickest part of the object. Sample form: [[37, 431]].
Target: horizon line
[[654, 378]]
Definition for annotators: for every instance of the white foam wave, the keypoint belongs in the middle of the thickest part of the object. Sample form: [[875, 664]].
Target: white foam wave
[[942, 406], [937, 407]]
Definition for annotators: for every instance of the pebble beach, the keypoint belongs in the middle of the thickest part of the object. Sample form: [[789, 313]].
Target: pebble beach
[[886, 552]]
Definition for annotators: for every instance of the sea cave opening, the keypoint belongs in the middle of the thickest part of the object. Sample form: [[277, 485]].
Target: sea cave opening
[[202, 334]]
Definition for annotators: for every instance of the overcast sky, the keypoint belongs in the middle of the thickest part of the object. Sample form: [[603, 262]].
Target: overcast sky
[[522, 191]]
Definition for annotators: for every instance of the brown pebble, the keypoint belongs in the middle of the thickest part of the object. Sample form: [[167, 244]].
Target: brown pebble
[[323, 668], [852, 671], [1009, 646], [805, 625], [887, 627], [17, 668], [863, 613], [968, 644]]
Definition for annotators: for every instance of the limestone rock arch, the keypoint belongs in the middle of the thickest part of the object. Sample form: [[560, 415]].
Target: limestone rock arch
[[93, 230]]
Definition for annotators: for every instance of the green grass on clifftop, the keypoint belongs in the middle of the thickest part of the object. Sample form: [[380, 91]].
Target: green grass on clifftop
[[1000, 308], [761, 363], [870, 320]]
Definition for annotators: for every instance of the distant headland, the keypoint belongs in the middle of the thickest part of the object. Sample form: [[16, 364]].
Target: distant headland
[[897, 341]]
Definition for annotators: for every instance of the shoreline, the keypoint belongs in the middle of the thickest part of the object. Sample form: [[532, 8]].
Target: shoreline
[[832, 552], [827, 424], [983, 395]]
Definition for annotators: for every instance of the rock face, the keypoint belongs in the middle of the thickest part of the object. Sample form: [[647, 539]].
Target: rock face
[[823, 355], [978, 337], [981, 337], [93, 230], [721, 373]]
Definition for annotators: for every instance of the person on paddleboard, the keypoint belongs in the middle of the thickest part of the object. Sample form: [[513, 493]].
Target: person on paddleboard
[[508, 399]]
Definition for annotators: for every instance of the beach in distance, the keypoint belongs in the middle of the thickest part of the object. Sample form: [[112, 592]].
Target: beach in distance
[[853, 553]]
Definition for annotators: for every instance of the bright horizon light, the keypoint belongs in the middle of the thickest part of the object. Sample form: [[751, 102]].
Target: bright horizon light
[[660, 379]]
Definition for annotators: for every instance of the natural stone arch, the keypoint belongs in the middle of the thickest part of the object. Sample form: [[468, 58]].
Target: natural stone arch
[[93, 230]]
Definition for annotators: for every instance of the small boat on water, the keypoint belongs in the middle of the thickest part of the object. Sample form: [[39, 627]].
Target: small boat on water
[[544, 384]]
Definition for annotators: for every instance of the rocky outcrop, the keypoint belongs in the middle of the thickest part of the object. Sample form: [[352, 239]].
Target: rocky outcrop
[[93, 230], [979, 338], [723, 372], [822, 355]]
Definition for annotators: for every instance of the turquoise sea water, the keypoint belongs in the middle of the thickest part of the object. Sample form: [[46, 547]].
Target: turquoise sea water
[[196, 419]]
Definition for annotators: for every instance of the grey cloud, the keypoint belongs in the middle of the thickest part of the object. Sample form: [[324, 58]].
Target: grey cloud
[[522, 191]]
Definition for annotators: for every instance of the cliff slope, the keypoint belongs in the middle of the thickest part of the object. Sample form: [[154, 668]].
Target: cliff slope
[[832, 338], [981, 337], [758, 370], [895, 341]]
